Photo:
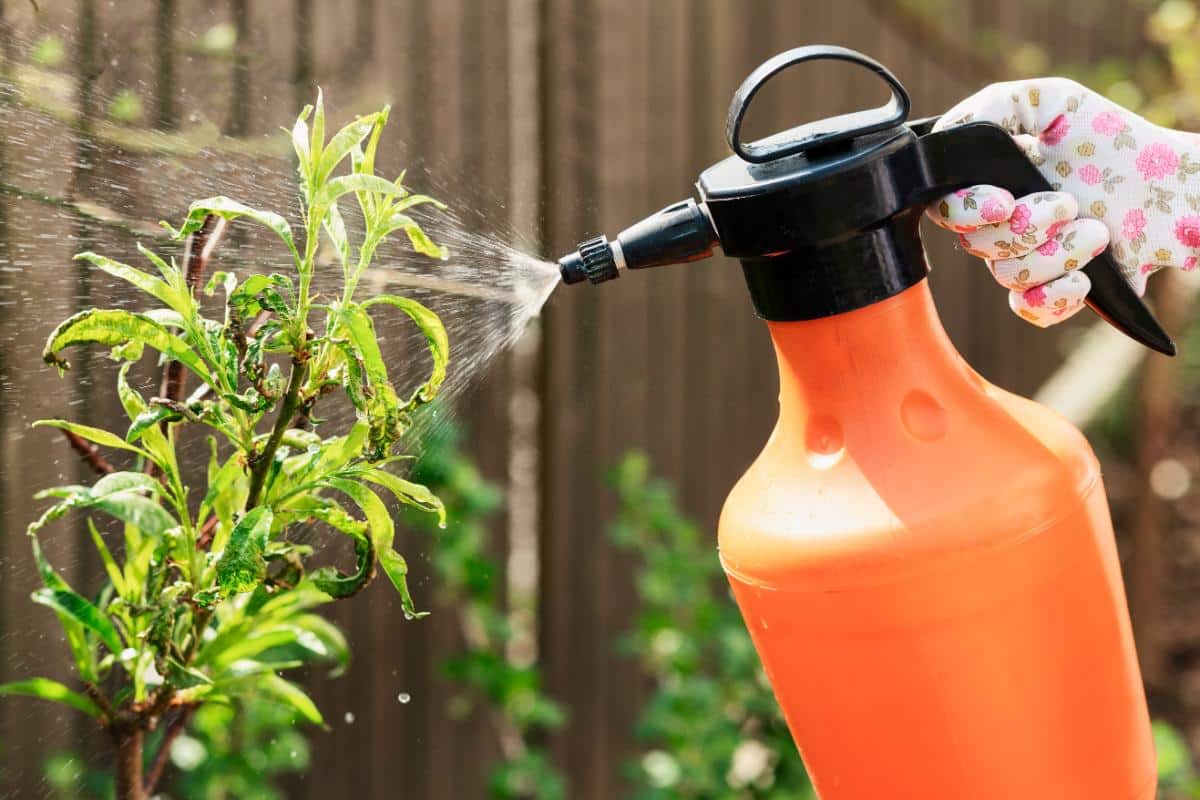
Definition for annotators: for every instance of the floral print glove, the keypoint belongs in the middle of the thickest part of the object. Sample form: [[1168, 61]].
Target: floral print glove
[[1125, 178]]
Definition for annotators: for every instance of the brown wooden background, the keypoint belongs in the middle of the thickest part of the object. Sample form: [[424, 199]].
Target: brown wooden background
[[555, 119]]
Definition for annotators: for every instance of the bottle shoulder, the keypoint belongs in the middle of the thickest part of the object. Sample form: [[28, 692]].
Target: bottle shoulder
[[862, 494]]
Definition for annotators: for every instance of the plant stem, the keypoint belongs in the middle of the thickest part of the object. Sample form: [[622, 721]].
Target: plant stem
[[89, 453], [262, 461], [197, 252], [159, 764], [129, 740]]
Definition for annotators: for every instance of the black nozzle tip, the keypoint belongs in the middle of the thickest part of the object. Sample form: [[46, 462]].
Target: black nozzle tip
[[593, 261]]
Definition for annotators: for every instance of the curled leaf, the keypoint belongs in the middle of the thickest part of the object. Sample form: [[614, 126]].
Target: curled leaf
[[119, 328], [435, 335], [242, 566]]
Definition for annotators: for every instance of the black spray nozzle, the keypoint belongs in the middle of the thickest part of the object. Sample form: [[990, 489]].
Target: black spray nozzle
[[593, 261], [679, 233]]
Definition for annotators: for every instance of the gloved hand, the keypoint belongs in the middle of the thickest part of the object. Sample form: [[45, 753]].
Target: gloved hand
[[1126, 179]]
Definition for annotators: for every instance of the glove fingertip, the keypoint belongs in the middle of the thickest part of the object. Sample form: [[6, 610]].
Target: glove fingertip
[[967, 210], [1052, 302]]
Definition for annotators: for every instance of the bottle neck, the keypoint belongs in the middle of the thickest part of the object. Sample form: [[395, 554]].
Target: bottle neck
[[866, 363], [839, 276]]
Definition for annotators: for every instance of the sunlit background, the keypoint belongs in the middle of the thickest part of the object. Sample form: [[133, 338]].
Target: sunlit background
[[582, 643]]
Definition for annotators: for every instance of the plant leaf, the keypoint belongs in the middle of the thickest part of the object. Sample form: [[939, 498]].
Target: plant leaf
[[72, 628], [149, 418], [110, 565], [79, 609], [98, 435], [317, 139], [344, 141], [435, 335], [334, 188], [386, 417], [118, 495], [335, 228], [383, 533], [46, 689], [149, 284], [407, 492], [332, 640], [300, 141], [417, 237], [118, 328], [242, 566], [286, 693], [230, 209], [131, 400], [224, 496]]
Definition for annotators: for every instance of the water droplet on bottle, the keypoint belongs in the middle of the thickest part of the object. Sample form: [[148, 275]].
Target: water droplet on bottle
[[923, 416], [404, 697], [824, 441]]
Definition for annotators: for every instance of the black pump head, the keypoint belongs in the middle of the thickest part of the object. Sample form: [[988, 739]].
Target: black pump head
[[824, 217]]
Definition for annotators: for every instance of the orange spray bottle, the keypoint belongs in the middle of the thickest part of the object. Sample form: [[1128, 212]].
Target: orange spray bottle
[[925, 562]]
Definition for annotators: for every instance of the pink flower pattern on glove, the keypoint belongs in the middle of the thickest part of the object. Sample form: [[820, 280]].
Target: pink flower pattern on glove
[[1019, 222], [1056, 131], [1157, 161], [993, 211], [1133, 224], [1108, 123], [1187, 230]]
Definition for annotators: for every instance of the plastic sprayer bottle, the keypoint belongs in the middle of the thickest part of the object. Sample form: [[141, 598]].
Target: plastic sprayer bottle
[[925, 562]]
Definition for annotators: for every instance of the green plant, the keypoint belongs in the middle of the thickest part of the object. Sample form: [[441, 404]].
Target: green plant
[[711, 728], [508, 693], [208, 597]]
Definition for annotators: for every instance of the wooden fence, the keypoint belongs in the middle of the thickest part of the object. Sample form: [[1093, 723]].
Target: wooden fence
[[556, 119]]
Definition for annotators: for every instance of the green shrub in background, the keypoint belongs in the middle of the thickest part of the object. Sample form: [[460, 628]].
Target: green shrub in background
[[507, 694], [711, 728], [1177, 777]]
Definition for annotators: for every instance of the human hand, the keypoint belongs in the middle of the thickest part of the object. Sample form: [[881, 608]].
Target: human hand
[[1129, 181]]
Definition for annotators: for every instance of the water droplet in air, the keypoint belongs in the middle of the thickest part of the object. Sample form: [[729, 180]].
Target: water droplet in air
[[404, 697], [349, 718]]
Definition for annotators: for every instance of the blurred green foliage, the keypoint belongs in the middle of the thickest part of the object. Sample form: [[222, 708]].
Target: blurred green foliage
[[711, 727], [1177, 777], [494, 683]]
